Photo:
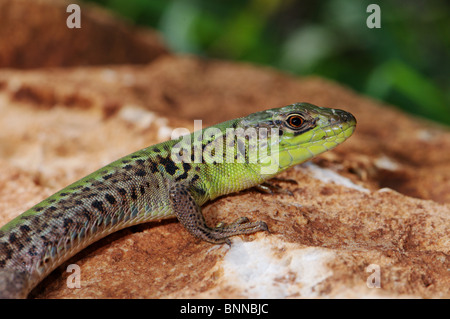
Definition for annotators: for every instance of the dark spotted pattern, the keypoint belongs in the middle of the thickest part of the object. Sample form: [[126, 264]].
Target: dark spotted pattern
[[143, 186], [111, 199], [168, 164], [91, 205]]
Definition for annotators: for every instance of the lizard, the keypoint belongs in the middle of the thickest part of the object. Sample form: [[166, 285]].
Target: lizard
[[171, 179]]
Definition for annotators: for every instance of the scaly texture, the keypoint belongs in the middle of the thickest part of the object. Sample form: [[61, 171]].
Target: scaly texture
[[171, 179]]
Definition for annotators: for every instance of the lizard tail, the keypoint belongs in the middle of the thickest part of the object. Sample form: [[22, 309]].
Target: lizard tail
[[13, 284]]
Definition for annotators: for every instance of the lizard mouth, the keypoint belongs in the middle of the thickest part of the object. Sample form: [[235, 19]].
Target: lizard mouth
[[292, 153], [295, 149]]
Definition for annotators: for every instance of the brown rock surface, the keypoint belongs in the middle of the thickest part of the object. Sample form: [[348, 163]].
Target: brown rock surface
[[382, 198], [34, 34]]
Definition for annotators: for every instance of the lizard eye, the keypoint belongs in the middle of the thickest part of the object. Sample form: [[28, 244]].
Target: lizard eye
[[295, 121]]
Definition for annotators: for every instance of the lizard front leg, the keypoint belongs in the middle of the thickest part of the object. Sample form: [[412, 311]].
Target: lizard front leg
[[189, 214]]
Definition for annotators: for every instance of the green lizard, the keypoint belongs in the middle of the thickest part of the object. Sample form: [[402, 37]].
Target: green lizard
[[171, 179]]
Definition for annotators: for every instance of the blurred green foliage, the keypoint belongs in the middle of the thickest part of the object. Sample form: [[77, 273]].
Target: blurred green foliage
[[406, 62]]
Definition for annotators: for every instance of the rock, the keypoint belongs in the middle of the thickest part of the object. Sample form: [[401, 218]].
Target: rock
[[34, 34], [374, 212]]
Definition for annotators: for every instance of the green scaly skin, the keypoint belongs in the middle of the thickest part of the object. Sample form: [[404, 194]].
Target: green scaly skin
[[154, 184]]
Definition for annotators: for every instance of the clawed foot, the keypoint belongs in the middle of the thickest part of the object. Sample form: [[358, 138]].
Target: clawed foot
[[270, 188], [240, 226]]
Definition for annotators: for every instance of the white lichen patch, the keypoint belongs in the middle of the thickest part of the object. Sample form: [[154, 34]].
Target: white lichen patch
[[271, 268], [386, 163], [143, 119], [137, 116], [329, 176]]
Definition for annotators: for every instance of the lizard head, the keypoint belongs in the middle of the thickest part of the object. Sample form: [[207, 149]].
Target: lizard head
[[298, 132]]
